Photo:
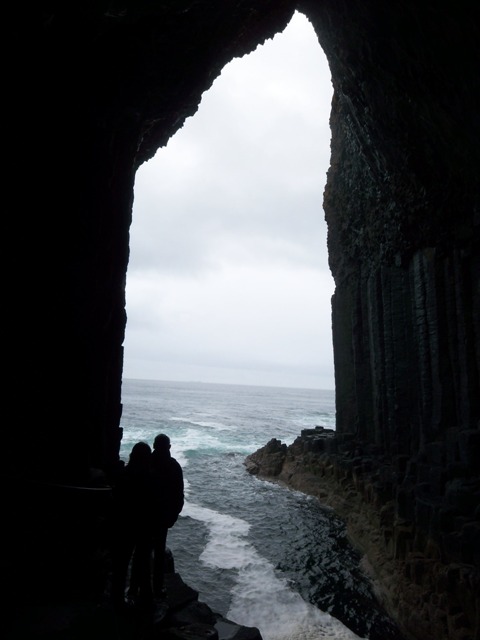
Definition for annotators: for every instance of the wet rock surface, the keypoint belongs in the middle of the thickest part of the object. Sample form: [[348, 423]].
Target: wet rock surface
[[429, 595]]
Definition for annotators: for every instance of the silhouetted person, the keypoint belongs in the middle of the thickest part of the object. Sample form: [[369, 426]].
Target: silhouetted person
[[132, 496], [167, 503]]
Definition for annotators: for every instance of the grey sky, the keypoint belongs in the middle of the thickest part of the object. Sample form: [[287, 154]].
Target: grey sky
[[228, 278]]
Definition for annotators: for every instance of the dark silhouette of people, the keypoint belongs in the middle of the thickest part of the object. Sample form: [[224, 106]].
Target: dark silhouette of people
[[132, 500], [167, 503]]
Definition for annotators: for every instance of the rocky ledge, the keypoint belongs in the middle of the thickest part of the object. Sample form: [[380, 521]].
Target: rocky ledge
[[426, 596], [179, 615]]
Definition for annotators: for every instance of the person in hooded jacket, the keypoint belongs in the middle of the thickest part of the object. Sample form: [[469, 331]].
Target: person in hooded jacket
[[167, 504]]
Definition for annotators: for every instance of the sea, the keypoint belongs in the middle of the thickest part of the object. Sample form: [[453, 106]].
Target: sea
[[259, 554]]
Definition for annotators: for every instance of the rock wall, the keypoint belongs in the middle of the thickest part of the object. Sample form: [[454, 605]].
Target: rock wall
[[401, 204], [93, 90], [429, 593]]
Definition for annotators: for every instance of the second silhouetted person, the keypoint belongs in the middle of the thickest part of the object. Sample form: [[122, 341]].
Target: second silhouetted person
[[168, 499]]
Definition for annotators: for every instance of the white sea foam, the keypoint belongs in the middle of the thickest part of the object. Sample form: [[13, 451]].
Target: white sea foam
[[132, 436], [226, 547], [208, 424], [260, 597], [192, 440], [200, 440], [263, 600]]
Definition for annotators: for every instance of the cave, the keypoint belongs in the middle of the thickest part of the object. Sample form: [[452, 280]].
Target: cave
[[94, 90]]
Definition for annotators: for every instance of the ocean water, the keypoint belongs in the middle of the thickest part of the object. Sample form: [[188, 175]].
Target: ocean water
[[259, 554]]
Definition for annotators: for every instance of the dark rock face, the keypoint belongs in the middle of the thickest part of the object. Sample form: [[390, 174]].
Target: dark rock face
[[93, 91], [431, 594]]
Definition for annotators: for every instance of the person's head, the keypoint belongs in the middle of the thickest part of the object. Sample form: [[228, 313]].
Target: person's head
[[161, 443], [140, 454]]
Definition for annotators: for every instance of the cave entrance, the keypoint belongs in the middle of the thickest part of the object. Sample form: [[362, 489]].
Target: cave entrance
[[228, 279]]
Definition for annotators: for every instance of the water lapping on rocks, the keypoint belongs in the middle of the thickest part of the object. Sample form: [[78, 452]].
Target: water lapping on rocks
[[258, 553]]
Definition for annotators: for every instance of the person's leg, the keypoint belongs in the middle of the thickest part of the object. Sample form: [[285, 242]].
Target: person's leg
[[142, 571], [160, 543], [134, 582], [121, 557]]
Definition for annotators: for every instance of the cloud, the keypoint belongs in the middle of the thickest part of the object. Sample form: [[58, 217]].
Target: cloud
[[228, 269]]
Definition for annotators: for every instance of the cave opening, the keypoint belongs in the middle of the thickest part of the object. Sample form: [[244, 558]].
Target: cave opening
[[228, 282], [228, 279]]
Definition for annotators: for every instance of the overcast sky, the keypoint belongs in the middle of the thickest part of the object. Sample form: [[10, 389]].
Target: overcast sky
[[228, 279]]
